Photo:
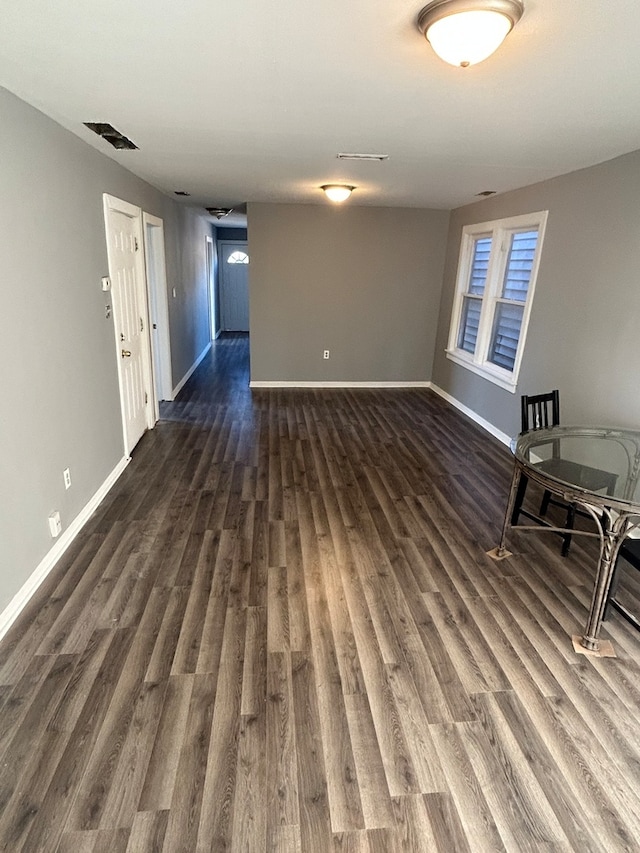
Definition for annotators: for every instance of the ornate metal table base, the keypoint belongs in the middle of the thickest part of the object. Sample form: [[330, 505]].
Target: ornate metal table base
[[613, 526]]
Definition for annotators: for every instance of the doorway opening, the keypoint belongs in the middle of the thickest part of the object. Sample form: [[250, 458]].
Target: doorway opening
[[212, 274], [158, 307]]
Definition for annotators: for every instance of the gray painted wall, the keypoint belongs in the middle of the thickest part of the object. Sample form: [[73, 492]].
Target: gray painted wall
[[59, 403], [584, 332], [187, 272], [362, 282]]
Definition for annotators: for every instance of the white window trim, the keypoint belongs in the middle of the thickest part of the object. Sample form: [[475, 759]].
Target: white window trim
[[499, 230]]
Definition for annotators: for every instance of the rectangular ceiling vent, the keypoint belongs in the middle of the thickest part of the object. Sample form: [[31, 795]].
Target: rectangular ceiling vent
[[111, 135], [363, 156]]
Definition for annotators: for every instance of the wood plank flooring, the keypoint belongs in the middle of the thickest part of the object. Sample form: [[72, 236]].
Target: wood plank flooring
[[280, 632]]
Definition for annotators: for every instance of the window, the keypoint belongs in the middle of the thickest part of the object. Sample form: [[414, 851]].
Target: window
[[496, 279], [238, 258]]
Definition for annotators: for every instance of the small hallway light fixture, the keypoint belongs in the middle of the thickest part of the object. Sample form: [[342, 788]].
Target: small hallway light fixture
[[219, 212], [337, 192], [464, 32]]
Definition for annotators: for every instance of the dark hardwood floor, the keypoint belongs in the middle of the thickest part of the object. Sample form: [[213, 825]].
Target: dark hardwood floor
[[280, 632]]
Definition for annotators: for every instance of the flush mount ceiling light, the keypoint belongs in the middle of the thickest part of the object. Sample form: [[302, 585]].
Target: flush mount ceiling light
[[463, 32], [337, 192]]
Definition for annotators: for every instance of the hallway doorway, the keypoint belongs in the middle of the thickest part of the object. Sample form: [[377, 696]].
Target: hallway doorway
[[233, 277]]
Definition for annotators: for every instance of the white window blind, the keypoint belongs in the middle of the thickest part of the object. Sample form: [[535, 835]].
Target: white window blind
[[509, 312], [496, 279], [472, 300]]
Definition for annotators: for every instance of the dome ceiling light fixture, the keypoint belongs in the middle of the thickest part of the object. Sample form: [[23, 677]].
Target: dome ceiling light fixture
[[337, 192], [464, 32]]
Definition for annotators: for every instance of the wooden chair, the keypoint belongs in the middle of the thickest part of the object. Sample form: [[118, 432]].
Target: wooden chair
[[542, 411], [629, 551]]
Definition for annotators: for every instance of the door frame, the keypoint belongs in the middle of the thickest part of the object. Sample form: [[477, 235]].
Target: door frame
[[221, 243], [211, 261], [118, 205], [158, 308]]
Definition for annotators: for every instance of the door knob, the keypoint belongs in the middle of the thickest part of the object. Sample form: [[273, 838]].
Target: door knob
[[126, 353]]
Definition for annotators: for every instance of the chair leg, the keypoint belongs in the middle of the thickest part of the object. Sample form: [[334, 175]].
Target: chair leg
[[571, 517], [522, 488], [544, 506]]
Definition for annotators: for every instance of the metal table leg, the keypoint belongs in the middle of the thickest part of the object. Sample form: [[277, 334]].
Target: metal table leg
[[612, 533], [515, 480]]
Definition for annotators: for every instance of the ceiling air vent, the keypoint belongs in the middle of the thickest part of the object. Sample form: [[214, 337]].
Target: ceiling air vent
[[363, 156], [487, 192], [111, 135], [181, 192]]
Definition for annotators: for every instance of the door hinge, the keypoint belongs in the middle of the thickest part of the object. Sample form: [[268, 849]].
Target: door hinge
[[141, 325], [135, 239], [146, 398]]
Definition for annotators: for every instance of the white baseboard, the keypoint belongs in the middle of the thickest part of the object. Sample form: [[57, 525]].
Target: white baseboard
[[20, 599], [190, 372], [489, 427], [290, 384]]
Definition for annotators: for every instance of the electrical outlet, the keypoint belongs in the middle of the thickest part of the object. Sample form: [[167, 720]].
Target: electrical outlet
[[325, 354], [66, 474]]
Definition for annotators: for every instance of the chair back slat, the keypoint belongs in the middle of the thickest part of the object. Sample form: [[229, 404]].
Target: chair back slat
[[540, 411]]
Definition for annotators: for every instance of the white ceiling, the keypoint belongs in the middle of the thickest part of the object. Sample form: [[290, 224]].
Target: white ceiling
[[251, 100]]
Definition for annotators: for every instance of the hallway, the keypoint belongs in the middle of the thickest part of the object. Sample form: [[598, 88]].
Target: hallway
[[280, 632]]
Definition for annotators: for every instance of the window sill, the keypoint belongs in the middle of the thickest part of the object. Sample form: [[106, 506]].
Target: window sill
[[509, 383]]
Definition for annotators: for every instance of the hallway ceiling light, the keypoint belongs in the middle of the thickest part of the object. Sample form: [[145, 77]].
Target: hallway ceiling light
[[219, 212], [337, 192], [463, 32]]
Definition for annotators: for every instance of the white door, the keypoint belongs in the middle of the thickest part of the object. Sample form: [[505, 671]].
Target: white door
[[234, 286], [128, 294]]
